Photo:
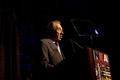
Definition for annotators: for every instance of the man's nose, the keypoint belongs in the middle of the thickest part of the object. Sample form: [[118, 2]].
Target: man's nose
[[62, 32]]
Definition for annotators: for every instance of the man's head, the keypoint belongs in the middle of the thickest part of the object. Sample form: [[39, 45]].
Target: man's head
[[55, 30]]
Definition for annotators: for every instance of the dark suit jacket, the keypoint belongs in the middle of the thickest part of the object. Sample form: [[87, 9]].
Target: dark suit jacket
[[46, 60], [50, 54]]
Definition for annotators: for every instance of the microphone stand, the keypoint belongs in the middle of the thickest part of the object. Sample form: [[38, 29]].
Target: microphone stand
[[76, 44]]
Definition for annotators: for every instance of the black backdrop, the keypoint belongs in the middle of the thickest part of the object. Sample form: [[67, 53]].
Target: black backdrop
[[29, 18]]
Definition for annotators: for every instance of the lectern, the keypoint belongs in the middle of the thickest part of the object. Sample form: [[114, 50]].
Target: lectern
[[99, 65]]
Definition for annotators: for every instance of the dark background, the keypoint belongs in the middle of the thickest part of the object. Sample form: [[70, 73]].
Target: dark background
[[30, 18]]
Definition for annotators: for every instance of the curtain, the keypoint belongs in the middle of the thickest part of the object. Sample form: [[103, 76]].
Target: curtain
[[9, 48]]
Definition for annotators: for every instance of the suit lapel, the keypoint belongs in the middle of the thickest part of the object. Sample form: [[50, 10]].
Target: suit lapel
[[53, 46]]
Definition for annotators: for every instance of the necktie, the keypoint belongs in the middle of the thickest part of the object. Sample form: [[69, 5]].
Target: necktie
[[57, 45]]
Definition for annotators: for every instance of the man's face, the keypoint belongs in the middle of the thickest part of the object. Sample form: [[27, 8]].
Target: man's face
[[59, 32]]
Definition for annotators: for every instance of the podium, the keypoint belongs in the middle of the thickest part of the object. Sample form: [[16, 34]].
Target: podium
[[99, 65]]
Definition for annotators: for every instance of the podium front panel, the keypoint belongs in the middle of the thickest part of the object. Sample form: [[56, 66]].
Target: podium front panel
[[99, 65]]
